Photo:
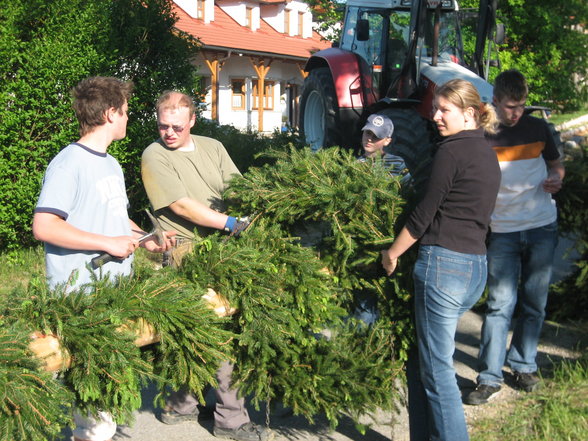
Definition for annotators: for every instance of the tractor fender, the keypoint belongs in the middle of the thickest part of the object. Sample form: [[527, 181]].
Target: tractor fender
[[344, 67], [433, 76]]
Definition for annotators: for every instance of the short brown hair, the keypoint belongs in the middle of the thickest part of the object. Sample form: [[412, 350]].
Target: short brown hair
[[171, 99], [511, 84], [93, 96]]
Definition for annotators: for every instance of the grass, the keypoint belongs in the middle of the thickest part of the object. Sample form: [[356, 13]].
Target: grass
[[558, 118], [19, 267], [557, 412]]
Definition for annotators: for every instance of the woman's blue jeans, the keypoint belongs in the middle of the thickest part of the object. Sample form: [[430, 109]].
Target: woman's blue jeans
[[447, 284], [522, 258]]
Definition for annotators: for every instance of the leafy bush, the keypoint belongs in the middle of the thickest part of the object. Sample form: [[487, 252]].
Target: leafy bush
[[246, 148], [569, 298], [46, 48], [546, 42]]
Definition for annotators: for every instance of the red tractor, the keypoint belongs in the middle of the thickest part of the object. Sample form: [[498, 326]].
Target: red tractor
[[391, 55]]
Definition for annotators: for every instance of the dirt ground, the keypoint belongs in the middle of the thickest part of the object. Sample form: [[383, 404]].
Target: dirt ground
[[557, 343]]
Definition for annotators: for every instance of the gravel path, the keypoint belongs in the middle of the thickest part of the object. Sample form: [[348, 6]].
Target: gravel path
[[557, 343]]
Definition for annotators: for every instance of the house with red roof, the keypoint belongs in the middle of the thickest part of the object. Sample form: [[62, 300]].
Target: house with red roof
[[252, 58]]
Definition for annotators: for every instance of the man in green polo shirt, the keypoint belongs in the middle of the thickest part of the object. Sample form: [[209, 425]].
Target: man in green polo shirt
[[185, 176]]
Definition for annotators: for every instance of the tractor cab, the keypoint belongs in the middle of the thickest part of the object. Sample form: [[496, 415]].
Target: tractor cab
[[381, 34], [391, 56]]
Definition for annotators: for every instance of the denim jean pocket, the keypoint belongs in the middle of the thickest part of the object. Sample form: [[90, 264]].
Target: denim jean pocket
[[454, 275]]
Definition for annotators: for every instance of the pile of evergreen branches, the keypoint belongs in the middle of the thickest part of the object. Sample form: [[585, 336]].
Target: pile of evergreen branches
[[107, 370], [31, 401], [319, 223]]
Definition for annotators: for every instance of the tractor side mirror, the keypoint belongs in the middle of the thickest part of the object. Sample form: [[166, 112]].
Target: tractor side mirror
[[500, 33], [362, 29]]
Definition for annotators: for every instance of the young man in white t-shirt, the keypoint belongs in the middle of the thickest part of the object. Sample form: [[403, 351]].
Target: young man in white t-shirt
[[82, 209]]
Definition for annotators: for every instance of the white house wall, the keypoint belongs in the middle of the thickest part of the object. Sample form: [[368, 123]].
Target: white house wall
[[190, 7], [238, 11], [240, 67], [273, 15]]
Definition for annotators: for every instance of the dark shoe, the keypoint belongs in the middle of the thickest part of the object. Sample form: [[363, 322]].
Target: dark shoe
[[527, 381], [481, 395], [173, 417], [247, 432]]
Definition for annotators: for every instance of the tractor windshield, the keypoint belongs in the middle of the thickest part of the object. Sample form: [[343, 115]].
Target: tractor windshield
[[450, 45], [380, 38]]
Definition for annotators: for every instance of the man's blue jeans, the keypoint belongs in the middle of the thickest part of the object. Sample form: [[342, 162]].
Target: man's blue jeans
[[525, 257], [447, 284]]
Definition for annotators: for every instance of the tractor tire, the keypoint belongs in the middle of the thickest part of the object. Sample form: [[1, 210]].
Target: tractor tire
[[319, 111], [412, 140]]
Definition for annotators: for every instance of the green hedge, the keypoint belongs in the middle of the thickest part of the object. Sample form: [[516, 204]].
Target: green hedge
[[569, 298], [46, 48]]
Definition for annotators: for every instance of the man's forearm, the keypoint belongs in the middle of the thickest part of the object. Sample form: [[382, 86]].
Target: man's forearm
[[50, 228], [198, 213]]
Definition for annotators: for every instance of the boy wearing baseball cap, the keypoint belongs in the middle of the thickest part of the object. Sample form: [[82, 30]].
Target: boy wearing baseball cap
[[376, 135]]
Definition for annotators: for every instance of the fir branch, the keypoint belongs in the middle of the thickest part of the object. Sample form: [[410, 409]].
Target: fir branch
[[31, 401], [108, 370], [347, 212]]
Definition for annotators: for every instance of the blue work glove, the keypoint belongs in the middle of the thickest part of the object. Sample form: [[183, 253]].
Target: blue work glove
[[236, 226]]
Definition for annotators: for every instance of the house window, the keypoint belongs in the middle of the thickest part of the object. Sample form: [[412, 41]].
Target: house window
[[238, 98], [200, 9], [301, 24], [268, 96], [249, 17], [287, 21]]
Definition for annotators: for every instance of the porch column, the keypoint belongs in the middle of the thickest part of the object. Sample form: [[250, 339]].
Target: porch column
[[261, 69], [215, 65], [303, 73]]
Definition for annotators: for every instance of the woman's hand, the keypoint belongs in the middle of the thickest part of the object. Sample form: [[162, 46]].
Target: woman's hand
[[389, 263]]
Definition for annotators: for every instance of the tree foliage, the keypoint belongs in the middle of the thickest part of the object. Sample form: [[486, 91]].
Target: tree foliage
[[344, 211], [328, 14], [294, 338], [32, 403], [46, 47], [546, 41], [569, 297], [97, 327]]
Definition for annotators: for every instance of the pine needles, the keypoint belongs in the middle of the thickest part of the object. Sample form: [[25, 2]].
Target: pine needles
[[314, 245], [108, 371], [32, 402], [289, 295]]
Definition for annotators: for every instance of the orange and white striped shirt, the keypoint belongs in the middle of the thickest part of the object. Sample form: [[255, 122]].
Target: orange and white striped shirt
[[522, 152]]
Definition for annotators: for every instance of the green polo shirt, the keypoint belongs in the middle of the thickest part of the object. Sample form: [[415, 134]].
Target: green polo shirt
[[201, 174]]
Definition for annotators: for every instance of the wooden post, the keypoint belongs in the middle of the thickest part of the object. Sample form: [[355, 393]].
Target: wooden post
[[214, 65], [303, 73], [261, 69]]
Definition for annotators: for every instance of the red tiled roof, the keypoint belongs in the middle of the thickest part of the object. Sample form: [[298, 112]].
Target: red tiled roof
[[226, 33]]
